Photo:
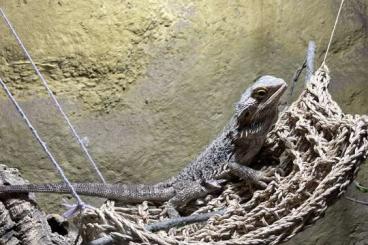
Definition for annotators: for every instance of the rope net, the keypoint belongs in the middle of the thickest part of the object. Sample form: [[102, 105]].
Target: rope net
[[318, 149]]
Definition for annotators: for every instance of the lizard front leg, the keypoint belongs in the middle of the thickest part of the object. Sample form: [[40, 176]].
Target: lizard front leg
[[246, 173], [185, 191]]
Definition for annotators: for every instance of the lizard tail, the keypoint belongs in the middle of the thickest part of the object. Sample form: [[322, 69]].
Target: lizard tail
[[121, 192]]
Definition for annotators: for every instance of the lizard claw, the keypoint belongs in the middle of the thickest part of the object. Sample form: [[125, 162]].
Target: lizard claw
[[259, 178], [214, 184], [171, 211], [262, 179], [199, 202]]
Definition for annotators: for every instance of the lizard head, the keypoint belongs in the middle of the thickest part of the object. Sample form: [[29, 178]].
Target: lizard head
[[258, 106]]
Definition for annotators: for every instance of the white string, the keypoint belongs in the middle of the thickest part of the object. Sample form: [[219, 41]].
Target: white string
[[333, 32], [51, 94], [42, 143]]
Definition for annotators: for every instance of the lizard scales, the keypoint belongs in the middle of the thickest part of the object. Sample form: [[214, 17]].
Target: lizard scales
[[227, 156]]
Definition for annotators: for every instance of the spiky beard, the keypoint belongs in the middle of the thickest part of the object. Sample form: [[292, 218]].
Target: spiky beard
[[253, 128], [247, 126]]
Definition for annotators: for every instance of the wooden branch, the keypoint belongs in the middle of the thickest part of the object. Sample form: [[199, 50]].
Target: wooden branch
[[294, 80], [106, 240], [180, 221], [356, 200], [308, 63], [21, 222], [310, 60]]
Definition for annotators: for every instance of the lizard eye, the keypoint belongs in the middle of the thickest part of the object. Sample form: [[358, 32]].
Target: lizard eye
[[260, 93]]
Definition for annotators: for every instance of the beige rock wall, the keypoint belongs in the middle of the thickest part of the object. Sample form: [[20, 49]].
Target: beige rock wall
[[150, 83]]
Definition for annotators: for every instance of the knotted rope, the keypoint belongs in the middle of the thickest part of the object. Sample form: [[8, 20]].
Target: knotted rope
[[317, 146]]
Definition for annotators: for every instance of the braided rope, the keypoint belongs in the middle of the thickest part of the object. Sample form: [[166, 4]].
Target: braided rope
[[318, 147]]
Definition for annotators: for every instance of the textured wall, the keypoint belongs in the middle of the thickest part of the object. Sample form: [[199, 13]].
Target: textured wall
[[149, 83]]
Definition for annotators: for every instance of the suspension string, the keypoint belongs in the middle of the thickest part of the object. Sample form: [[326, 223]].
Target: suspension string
[[333, 32], [42, 143], [54, 99]]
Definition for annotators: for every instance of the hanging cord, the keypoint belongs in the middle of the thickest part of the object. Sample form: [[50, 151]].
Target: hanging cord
[[80, 204], [333, 32], [56, 102]]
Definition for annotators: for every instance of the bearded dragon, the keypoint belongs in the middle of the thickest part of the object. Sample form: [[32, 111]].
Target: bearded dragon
[[229, 155]]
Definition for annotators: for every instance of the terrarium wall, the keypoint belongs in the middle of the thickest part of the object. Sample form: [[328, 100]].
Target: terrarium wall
[[149, 83]]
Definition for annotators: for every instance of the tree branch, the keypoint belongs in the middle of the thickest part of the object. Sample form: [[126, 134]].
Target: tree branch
[[309, 64], [180, 221]]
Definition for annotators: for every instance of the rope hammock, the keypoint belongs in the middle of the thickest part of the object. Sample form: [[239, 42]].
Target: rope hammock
[[319, 148]]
